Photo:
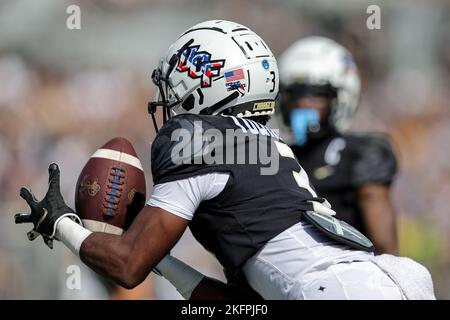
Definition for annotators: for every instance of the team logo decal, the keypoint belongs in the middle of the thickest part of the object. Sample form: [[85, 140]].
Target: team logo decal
[[198, 64], [91, 188], [235, 80], [131, 194]]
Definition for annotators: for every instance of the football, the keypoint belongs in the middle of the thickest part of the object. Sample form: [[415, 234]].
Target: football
[[110, 190]]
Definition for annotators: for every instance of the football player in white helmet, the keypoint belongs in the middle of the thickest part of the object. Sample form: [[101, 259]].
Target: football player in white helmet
[[320, 89], [194, 78], [269, 229]]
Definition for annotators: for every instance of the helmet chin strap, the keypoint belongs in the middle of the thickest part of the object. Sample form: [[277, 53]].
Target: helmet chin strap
[[152, 111]]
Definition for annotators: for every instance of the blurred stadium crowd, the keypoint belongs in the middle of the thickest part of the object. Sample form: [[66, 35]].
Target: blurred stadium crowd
[[63, 93]]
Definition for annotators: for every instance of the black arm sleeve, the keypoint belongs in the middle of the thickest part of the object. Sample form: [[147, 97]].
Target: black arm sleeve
[[375, 161]]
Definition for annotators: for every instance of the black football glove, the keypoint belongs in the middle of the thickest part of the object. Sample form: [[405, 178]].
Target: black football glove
[[47, 212]]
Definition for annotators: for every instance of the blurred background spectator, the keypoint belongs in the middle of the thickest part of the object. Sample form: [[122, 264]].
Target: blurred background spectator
[[63, 93]]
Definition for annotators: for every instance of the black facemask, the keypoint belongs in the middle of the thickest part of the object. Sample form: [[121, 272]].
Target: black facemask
[[167, 96]]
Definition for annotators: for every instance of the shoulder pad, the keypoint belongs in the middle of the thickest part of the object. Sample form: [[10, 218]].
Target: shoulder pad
[[375, 161], [179, 129], [177, 150]]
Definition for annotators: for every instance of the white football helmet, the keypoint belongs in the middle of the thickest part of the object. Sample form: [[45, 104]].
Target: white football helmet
[[319, 61], [217, 67]]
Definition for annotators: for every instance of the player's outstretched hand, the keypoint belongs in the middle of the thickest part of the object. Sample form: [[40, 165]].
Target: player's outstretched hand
[[45, 213]]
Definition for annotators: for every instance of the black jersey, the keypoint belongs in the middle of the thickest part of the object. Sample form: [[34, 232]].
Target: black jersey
[[339, 164], [256, 204]]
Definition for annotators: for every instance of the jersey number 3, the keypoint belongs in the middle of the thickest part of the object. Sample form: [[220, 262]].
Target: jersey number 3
[[322, 216]]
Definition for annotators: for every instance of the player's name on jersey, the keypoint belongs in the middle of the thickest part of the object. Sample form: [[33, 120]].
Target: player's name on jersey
[[247, 143]]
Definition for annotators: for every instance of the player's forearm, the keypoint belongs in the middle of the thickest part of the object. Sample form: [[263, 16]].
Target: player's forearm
[[383, 230], [379, 217], [193, 285], [107, 254], [129, 258], [385, 234]]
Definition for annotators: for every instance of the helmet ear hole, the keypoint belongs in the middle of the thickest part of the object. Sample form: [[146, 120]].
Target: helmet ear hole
[[200, 96], [189, 103]]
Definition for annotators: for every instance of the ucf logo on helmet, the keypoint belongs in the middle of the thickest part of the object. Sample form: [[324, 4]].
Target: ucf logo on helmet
[[198, 64]]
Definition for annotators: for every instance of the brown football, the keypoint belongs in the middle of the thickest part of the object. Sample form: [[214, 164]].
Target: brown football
[[110, 190]]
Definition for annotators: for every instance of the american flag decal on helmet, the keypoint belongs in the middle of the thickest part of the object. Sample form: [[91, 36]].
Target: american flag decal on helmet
[[234, 75]]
